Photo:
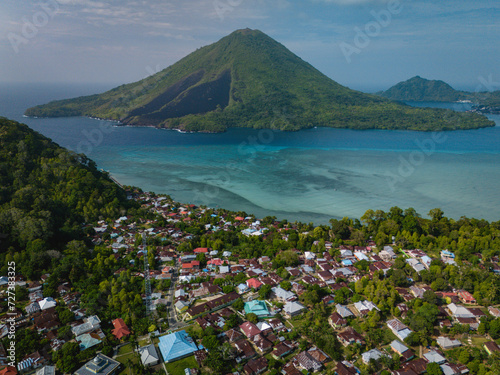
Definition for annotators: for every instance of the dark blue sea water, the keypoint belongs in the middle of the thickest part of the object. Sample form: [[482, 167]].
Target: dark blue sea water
[[311, 175]]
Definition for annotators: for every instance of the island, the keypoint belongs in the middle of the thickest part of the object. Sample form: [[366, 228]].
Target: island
[[418, 89], [247, 79]]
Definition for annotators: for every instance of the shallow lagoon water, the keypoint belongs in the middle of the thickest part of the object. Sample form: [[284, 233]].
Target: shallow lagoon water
[[311, 175]]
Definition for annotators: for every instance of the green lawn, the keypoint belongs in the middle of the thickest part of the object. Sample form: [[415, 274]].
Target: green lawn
[[479, 340], [144, 342], [125, 349], [177, 367], [123, 360]]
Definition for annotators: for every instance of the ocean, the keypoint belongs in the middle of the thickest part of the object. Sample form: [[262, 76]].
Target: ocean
[[310, 176]]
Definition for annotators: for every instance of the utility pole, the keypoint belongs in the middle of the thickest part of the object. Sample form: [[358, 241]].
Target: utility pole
[[147, 282]]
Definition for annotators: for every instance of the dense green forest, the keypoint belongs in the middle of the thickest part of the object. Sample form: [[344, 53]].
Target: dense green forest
[[47, 193], [247, 79], [418, 89]]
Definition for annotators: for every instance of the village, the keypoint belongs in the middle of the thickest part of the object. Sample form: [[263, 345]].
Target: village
[[332, 309]]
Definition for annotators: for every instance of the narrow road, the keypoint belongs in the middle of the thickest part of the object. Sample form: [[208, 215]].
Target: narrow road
[[173, 321]]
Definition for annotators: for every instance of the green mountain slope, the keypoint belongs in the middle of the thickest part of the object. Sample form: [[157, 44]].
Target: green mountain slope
[[423, 90], [247, 79], [47, 192]]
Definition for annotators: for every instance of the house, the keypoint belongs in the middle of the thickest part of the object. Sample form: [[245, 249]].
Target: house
[[346, 368], [245, 349], [445, 254], [90, 324], [262, 343], [349, 336], [398, 347], [282, 349], [257, 307], [181, 306], [233, 335], [176, 345], [491, 347], [254, 283], [446, 343], [282, 294], [255, 366], [434, 356], [336, 321], [149, 355], [242, 288], [8, 370], [88, 340], [290, 369], [319, 355], [293, 308], [364, 307], [305, 361], [46, 370], [343, 311], [466, 297], [47, 303], [46, 320], [399, 329], [494, 311], [458, 311], [249, 329], [100, 365], [201, 250], [373, 354], [121, 330], [454, 369]]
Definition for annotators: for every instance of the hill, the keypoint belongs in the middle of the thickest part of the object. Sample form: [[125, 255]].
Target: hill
[[419, 89], [248, 79], [47, 192]]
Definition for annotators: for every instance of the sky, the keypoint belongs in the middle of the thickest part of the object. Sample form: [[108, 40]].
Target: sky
[[367, 45]]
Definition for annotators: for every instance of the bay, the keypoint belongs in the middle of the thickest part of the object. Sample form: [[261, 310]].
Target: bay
[[311, 176]]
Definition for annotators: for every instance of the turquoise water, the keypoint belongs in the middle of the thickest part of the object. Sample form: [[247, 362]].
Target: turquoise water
[[312, 175]]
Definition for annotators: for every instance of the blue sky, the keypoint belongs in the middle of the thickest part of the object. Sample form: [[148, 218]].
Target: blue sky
[[121, 41]]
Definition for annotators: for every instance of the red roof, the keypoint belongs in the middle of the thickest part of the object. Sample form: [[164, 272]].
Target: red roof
[[121, 329], [254, 283], [8, 370], [201, 250], [239, 218], [187, 265], [216, 262], [249, 329]]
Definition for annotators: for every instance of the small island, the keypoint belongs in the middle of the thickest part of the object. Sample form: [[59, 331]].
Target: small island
[[418, 89]]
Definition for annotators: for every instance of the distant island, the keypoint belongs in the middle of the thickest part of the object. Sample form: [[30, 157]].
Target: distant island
[[248, 79], [418, 89]]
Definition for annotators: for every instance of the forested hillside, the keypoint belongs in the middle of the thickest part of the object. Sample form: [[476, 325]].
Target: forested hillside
[[47, 192]]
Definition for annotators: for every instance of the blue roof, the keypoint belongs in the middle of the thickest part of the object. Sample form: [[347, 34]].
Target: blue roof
[[347, 262], [259, 308], [176, 345]]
